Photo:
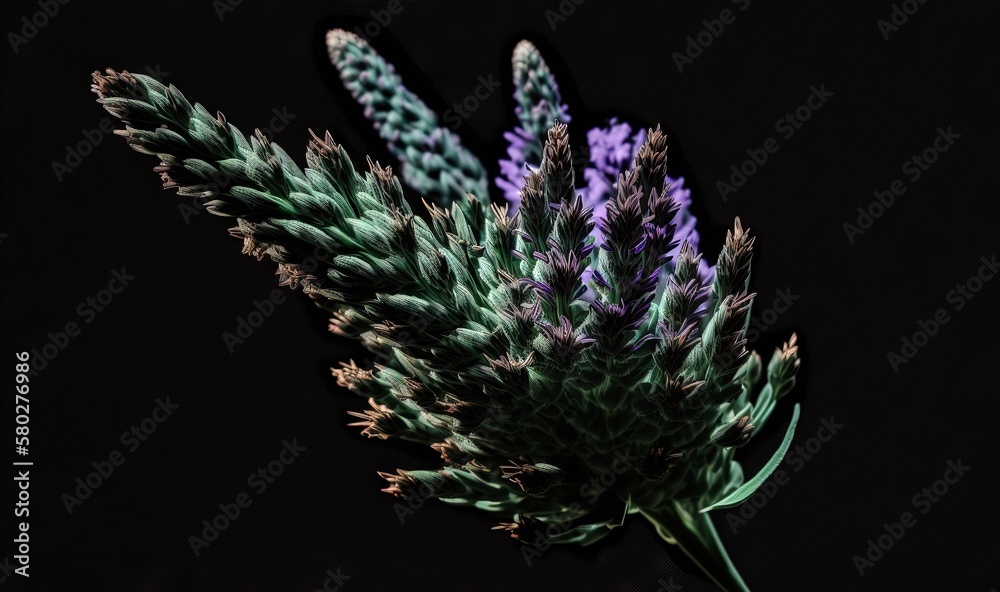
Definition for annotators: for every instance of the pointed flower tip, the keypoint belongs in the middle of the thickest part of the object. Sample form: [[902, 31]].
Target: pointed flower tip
[[114, 84], [338, 39], [738, 229], [334, 36], [523, 49], [734, 434], [326, 143], [789, 349]]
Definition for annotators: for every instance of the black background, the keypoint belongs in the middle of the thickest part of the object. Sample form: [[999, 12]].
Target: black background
[[162, 335]]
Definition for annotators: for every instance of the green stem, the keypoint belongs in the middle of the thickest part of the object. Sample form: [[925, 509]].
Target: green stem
[[694, 533]]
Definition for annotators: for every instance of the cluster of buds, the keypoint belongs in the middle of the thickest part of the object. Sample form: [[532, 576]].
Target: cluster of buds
[[533, 346]]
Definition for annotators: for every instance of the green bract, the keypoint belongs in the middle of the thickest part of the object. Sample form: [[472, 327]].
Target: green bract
[[485, 349]]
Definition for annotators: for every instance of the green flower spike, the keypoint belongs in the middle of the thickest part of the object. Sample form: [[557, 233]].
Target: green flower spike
[[433, 159], [487, 352]]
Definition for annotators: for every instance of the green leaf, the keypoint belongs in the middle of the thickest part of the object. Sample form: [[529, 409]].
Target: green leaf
[[697, 538], [737, 497]]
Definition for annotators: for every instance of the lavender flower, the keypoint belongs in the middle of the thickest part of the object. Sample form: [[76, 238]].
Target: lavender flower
[[487, 350]]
